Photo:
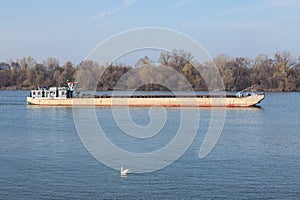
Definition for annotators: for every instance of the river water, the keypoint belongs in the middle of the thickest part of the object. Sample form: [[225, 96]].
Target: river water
[[256, 156]]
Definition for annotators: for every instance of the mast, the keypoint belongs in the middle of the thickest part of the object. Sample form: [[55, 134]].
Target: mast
[[72, 89]]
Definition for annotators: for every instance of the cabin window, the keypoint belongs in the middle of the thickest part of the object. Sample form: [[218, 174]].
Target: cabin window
[[38, 93], [33, 93]]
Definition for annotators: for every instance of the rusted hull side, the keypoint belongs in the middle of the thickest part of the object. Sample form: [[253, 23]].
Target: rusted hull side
[[148, 102]]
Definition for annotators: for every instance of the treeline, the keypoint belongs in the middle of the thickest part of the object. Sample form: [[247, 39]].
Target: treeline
[[278, 73]]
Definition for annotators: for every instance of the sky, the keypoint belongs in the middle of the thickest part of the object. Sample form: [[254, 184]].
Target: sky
[[69, 29]]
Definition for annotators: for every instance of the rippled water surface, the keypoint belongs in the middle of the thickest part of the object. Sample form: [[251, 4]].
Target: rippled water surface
[[256, 156]]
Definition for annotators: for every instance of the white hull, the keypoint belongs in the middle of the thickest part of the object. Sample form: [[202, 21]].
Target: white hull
[[210, 101]]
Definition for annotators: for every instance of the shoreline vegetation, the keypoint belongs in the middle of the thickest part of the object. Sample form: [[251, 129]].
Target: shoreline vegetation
[[280, 73]]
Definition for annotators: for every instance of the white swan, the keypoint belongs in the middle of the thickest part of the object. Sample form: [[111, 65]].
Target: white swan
[[124, 172]]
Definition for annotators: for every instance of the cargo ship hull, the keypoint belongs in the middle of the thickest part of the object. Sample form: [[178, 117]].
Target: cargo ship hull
[[149, 101]]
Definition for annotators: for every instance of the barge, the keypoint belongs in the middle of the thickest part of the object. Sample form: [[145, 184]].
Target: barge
[[68, 96]]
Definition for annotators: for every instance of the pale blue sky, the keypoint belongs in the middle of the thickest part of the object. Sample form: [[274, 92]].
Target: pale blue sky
[[69, 29]]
